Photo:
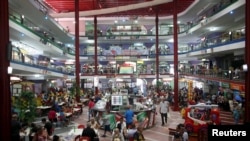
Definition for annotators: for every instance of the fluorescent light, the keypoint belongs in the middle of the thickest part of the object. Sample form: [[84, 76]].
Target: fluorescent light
[[213, 28], [13, 78], [171, 40], [244, 67], [37, 75], [10, 69]]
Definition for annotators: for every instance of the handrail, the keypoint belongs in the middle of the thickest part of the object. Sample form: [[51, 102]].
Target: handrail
[[209, 43], [52, 69], [16, 17], [212, 74]]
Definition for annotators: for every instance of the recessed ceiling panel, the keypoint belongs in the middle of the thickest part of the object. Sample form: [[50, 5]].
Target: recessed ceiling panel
[[64, 6]]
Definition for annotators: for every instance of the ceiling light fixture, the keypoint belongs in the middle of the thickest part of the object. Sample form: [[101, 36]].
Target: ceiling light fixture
[[171, 40], [212, 28], [10, 69], [13, 78]]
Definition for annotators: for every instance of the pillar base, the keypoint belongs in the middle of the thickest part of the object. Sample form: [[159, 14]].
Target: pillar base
[[175, 108]]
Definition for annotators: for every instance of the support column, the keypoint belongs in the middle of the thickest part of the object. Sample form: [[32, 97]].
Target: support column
[[247, 61], [176, 101], [77, 62], [157, 50], [96, 53], [5, 100]]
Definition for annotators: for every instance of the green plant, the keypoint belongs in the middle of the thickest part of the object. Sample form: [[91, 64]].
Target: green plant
[[75, 91], [26, 105], [159, 84]]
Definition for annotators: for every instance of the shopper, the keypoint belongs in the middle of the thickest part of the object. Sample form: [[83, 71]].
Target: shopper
[[15, 128], [33, 130], [48, 126], [164, 109], [236, 113], [91, 105], [138, 135], [117, 136], [129, 115], [106, 126], [130, 132], [121, 125], [89, 132], [185, 135], [41, 134], [56, 138]]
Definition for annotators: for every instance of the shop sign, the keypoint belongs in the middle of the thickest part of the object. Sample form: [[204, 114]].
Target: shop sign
[[140, 62], [237, 87], [225, 85], [216, 83]]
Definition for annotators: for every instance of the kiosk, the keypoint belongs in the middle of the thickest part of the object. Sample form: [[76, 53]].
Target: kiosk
[[143, 108]]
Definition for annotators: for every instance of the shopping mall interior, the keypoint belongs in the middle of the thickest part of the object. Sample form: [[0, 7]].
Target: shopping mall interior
[[187, 51]]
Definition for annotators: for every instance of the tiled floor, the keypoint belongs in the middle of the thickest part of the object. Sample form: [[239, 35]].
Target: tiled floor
[[156, 133]]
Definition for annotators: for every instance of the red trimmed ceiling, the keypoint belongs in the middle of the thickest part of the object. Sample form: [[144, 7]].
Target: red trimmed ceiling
[[64, 6]]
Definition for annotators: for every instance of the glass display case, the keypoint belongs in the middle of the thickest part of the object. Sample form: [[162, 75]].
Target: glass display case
[[119, 103]]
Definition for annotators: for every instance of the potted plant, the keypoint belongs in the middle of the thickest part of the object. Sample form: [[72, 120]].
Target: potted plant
[[26, 106], [75, 91]]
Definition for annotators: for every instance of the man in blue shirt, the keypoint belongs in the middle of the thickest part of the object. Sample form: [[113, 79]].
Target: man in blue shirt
[[129, 114]]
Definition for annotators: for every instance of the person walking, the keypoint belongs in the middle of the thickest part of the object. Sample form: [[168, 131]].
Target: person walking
[[129, 115], [164, 109], [106, 121], [91, 105], [236, 113], [121, 125]]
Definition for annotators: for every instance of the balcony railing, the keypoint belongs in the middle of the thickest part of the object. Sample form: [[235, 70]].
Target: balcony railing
[[212, 74], [227, 75], [47, 38]]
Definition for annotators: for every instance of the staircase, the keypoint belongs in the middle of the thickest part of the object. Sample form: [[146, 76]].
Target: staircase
[[227, 118]]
